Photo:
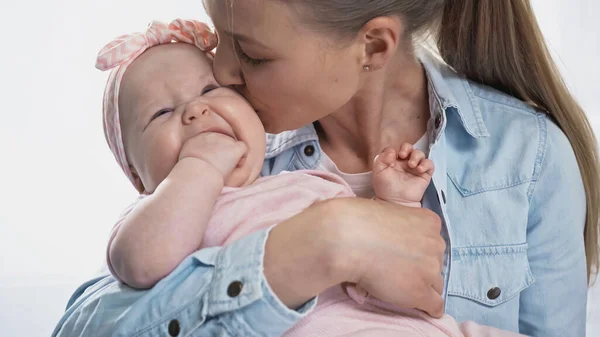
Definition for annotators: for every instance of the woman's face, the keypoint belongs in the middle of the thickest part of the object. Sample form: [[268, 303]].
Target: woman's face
[[291, 75]]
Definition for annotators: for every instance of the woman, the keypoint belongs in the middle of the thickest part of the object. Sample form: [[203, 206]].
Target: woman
[[516, 182]]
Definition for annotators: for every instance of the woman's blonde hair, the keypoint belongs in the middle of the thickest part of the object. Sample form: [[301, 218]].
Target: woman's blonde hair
[[494, 42]]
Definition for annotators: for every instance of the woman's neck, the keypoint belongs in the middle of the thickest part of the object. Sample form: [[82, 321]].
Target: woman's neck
[[391, 108]]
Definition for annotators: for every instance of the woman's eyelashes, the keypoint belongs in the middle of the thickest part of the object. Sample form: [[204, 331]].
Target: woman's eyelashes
[[247, 59], [208, 89]]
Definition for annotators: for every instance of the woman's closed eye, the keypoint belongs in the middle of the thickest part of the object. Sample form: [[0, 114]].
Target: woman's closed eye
[[208, 89], [247, 59]]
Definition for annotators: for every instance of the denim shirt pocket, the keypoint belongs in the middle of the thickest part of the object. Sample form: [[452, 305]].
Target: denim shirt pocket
[[490, 275]]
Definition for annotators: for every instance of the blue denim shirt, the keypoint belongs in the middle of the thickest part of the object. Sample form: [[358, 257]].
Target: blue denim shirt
[[509, 192]]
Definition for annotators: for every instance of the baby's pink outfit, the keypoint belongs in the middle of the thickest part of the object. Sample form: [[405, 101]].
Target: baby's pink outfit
[[272, 200]]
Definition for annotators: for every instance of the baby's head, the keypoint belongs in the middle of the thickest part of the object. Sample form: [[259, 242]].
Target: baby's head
[[162, 93]]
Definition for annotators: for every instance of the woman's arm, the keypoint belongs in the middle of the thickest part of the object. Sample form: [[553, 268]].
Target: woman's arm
[[555, 305], [393, 252], [167, 226], [218, 291], [248, 287]]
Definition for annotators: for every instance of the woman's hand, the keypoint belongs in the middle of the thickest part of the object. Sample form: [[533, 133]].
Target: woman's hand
[[393, 252]]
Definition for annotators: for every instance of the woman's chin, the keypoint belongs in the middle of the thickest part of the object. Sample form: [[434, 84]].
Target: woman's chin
[[279, 128]]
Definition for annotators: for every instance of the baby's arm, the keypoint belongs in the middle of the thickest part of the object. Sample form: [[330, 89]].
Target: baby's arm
[[166, 226], [401, 176]]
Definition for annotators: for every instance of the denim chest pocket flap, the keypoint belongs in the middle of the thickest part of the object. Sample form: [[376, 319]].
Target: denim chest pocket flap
[[490, 275]]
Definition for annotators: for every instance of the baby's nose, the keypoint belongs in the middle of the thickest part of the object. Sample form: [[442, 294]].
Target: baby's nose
[[195, 110]]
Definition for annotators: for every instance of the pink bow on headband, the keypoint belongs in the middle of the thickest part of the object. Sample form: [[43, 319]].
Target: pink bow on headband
[[120, 53], [127, 48]]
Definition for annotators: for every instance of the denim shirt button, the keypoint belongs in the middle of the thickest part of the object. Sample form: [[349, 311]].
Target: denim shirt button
[[174, 328], [235, 289], [309, 150], [438, 121], [494, 293]]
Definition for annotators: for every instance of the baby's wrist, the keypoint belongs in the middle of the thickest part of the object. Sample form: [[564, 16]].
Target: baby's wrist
[[195, 168], [399, 201]]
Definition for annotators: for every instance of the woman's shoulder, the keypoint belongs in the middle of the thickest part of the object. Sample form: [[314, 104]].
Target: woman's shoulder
[[510, 142], [516, 122], [475, 102]]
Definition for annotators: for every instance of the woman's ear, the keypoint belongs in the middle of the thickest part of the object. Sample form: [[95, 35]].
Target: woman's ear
[[380, 37], [137, 181]]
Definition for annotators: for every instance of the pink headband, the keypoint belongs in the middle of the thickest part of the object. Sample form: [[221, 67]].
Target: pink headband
[[120, 53]]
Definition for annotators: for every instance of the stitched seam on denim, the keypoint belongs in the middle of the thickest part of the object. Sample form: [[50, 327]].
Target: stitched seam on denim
[[254, 279], [239, 325], [541, 153], [440, 104], [513, 250], [303, 161], [287, 315], [484, 300], [286, 144], [529, 280], [482, 130], [290, 165], [518, 106], [236, 326], [220, 320], [468, 193], [163, 321], [219, 271], [511, 246], [490, 254]]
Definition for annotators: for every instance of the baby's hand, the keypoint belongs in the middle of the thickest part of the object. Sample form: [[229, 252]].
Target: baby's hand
[[401, 176], [221, 151]]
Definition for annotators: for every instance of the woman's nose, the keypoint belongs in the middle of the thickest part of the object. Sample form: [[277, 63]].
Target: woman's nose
[[226, 67], [194, 111]]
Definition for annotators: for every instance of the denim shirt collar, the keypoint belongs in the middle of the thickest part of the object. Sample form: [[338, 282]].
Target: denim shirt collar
[[278, 143], [452, 93]]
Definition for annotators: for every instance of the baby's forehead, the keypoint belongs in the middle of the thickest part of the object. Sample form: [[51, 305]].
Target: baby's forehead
[[168, 67], [172, 57], [173, 63]]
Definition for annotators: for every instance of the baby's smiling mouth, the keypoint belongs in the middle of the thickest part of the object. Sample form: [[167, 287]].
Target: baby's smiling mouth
[[222, 131]]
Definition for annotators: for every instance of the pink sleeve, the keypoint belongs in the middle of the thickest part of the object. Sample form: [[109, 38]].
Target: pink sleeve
[[114, 232], [472, 329]]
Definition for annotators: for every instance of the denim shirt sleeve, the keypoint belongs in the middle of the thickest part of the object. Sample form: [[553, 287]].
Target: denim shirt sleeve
[[555, 305], [194, 300]]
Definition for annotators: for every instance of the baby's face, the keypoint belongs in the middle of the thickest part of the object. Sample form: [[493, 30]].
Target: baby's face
[[157, 90]]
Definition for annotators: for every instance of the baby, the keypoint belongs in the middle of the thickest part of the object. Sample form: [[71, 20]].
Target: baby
[[194, 151]]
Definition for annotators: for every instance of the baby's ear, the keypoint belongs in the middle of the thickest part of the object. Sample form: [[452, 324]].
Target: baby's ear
[[137, 181]]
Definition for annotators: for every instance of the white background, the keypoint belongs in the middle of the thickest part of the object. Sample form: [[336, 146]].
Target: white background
[[61, 189]]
